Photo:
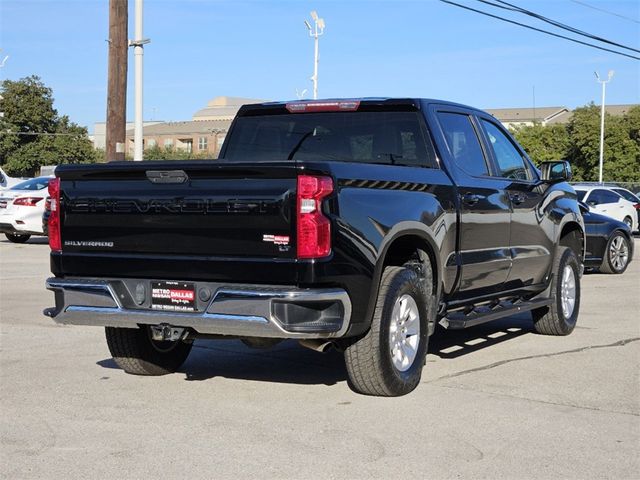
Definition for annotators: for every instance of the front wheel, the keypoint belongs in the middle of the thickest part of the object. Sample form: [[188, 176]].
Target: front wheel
[[616, 256], [137, 353], [388, 360], [17, 238], [560, 317]]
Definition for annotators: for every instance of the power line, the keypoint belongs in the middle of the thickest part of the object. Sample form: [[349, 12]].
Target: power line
[[555, 23], [539, 30], [605, 11]]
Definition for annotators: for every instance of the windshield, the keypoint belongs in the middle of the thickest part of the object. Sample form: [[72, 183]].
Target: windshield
[[581, 194], [369, 137], [33, 184]]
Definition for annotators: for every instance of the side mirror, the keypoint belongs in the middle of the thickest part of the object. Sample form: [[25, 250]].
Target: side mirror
[[556, 171]]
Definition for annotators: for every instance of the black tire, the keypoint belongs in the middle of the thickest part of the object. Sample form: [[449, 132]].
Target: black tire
[[16, 238], [369, 361], [135, 352], [551, 320], [611, 264]]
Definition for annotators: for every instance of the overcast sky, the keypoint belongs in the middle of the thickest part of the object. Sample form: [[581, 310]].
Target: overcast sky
[[261, 49]]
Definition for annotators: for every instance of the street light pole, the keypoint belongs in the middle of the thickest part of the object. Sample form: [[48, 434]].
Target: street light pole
[[315, 33], [604, 88], [138, 52]]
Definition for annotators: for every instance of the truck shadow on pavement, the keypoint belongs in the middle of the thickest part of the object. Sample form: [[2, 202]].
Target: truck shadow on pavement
[[290, 363]]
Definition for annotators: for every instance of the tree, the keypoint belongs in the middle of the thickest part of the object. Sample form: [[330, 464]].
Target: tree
[[32, 133], [543, 143], [621, 145], [168, 153]]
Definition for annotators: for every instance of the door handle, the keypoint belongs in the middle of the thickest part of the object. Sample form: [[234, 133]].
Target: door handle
[[471, 198]]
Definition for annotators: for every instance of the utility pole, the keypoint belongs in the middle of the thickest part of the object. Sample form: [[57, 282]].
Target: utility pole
[[315, 33], [604, 88], [117, 80], [138, 52]]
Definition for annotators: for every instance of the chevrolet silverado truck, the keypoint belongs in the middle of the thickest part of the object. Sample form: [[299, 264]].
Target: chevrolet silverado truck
[[358, 224]]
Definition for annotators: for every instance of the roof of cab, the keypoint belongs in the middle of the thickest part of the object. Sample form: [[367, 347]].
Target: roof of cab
[[382, 101]]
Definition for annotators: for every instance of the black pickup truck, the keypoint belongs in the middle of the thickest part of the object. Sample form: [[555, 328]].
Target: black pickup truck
[[358, 224]]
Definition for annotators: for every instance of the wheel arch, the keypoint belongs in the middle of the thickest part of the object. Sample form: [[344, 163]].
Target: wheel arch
[[402, 244], [572, 235]]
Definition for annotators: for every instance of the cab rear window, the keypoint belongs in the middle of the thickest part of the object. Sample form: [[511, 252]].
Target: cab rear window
[[394, 138]]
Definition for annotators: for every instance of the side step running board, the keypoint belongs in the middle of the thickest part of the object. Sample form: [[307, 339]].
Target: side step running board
[[458, 320]]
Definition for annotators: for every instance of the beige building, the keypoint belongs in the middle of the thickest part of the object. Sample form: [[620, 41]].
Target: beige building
[[223, 108], [204, 134], [516, 117], [201, 137]]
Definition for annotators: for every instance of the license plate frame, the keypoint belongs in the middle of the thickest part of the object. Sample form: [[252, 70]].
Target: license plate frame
[[172, 296]]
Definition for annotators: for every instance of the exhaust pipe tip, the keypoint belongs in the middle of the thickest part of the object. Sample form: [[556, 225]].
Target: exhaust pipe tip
[[321, 345]]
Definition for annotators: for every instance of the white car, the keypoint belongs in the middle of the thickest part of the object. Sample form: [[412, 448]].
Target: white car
[[6, 181], [605, 201], [21, 209]]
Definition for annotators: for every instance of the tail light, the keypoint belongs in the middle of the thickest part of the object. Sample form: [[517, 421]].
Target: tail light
[[26, 201], [314, 229], [340, 106], [55, 239], [637, 206]]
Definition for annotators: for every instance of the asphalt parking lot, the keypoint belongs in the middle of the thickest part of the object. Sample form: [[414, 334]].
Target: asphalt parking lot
[[497, 401]]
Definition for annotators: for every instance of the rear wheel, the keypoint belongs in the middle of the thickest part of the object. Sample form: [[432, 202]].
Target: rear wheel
[[16, 238], [135, 352], [388, 360], [616, 256], [560, 317]]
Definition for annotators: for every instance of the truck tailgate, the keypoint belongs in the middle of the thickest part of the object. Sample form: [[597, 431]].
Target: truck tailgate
[[194, 210]]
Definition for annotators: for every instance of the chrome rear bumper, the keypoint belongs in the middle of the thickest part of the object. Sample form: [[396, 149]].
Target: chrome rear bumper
[[233, 310]]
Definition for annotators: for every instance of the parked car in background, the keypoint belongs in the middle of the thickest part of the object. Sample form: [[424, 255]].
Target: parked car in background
[[21, 209], [609, 245], [605, 201], [630, 196], [45, 216], [6, 181]]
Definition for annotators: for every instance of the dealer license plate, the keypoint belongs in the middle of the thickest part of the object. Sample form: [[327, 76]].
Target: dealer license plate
[[173, 296]]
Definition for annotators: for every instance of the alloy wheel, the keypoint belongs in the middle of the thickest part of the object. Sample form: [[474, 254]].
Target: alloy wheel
[[618, 253], [404, 332], [568, 291]]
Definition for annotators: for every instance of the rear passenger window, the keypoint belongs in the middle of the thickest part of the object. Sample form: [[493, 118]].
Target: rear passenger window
[[599, 196], [509, 159], [463, 143]]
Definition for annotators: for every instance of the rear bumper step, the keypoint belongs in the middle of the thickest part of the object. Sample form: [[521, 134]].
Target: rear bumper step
[[220, 309], [459, 320]]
